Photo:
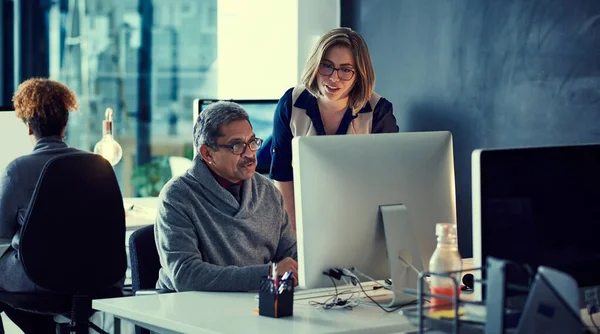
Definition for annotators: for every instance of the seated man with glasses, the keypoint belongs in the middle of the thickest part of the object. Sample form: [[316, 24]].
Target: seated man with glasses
[[220, 225]]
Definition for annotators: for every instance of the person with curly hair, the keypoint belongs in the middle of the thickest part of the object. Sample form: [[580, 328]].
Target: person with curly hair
[[44, 107]]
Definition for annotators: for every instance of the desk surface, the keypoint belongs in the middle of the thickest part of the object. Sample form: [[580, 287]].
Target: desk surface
[[227, 312], [139, 211]]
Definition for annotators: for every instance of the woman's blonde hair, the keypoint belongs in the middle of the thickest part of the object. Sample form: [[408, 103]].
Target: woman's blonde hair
[[365, 75], [44, 104]]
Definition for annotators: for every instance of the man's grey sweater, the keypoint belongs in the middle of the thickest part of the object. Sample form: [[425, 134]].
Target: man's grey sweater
[[208, 241]]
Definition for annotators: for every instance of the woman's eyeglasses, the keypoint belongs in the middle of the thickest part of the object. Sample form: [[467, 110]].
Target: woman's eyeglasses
[[343, 72]]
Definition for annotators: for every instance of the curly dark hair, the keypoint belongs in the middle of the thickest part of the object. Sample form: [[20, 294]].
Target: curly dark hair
[[44, 104]]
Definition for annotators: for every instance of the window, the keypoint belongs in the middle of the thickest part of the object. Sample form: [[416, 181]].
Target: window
[[149, 60]]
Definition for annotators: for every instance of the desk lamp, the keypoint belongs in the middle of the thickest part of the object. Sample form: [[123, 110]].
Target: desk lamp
[[108, 146]]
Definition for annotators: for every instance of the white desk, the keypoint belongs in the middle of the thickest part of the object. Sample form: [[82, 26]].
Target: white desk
[[226, 312], [139, 212]]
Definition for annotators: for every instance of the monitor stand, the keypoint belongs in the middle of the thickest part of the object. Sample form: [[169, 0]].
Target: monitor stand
[[401, 248]]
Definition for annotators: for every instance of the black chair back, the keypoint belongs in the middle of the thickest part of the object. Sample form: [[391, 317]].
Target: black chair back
[[144, 259], [73, 238]]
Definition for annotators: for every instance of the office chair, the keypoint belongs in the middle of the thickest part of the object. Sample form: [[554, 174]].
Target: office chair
[[145, 262], [144, 259], [73, 240], [145, 265]]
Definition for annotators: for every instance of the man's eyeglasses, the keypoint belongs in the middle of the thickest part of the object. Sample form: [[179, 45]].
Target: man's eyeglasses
[[343, 73], [240, 148]]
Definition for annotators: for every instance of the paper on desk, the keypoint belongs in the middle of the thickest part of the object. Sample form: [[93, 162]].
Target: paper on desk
[[467, 312], [475, 313], [140, 212]]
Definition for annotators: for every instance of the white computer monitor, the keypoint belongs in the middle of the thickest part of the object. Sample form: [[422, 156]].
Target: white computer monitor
[[340, 183], [13, 132]]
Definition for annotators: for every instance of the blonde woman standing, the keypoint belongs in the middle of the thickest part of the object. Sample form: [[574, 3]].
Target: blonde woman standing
[[336, 97]]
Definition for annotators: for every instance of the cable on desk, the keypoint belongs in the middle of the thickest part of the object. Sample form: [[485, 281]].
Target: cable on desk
[[335, 302], [344, 272], [389, 288], [388, 310], [383, 286]]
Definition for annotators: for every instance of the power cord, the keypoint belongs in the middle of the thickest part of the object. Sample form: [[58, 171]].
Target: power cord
[[377, 282], [388, 310], [335, 302], [591, 310], [409, 264], [356, 281]]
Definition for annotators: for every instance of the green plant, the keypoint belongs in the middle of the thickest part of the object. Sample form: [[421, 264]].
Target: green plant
[[150, 178], [188, 151]]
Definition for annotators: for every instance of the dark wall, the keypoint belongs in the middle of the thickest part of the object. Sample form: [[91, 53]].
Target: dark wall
[[495, 73]]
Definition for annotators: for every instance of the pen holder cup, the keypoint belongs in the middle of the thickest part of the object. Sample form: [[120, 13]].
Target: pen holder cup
[[274, 302]]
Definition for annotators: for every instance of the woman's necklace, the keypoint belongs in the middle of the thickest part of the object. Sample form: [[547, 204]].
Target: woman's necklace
[[332, 122]]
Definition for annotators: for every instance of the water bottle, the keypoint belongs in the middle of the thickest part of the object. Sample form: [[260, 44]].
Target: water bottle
[[445, 258]]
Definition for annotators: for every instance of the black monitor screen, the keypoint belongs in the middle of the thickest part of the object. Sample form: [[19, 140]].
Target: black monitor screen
[[260, 111], [541, 206]]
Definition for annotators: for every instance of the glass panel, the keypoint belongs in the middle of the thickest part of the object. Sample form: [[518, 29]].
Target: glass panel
[[149, 60], [101, 52]]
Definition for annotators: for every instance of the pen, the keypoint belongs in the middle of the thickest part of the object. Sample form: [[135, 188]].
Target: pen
[[284, 281], [287, 275], [275, 276]]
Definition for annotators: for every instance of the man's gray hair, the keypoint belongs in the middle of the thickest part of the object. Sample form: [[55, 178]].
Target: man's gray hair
[[209, 121]]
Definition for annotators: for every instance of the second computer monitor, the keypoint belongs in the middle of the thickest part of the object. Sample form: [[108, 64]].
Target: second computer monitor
[[538, 206], [13, 131], [260, 111], [340, 182]]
